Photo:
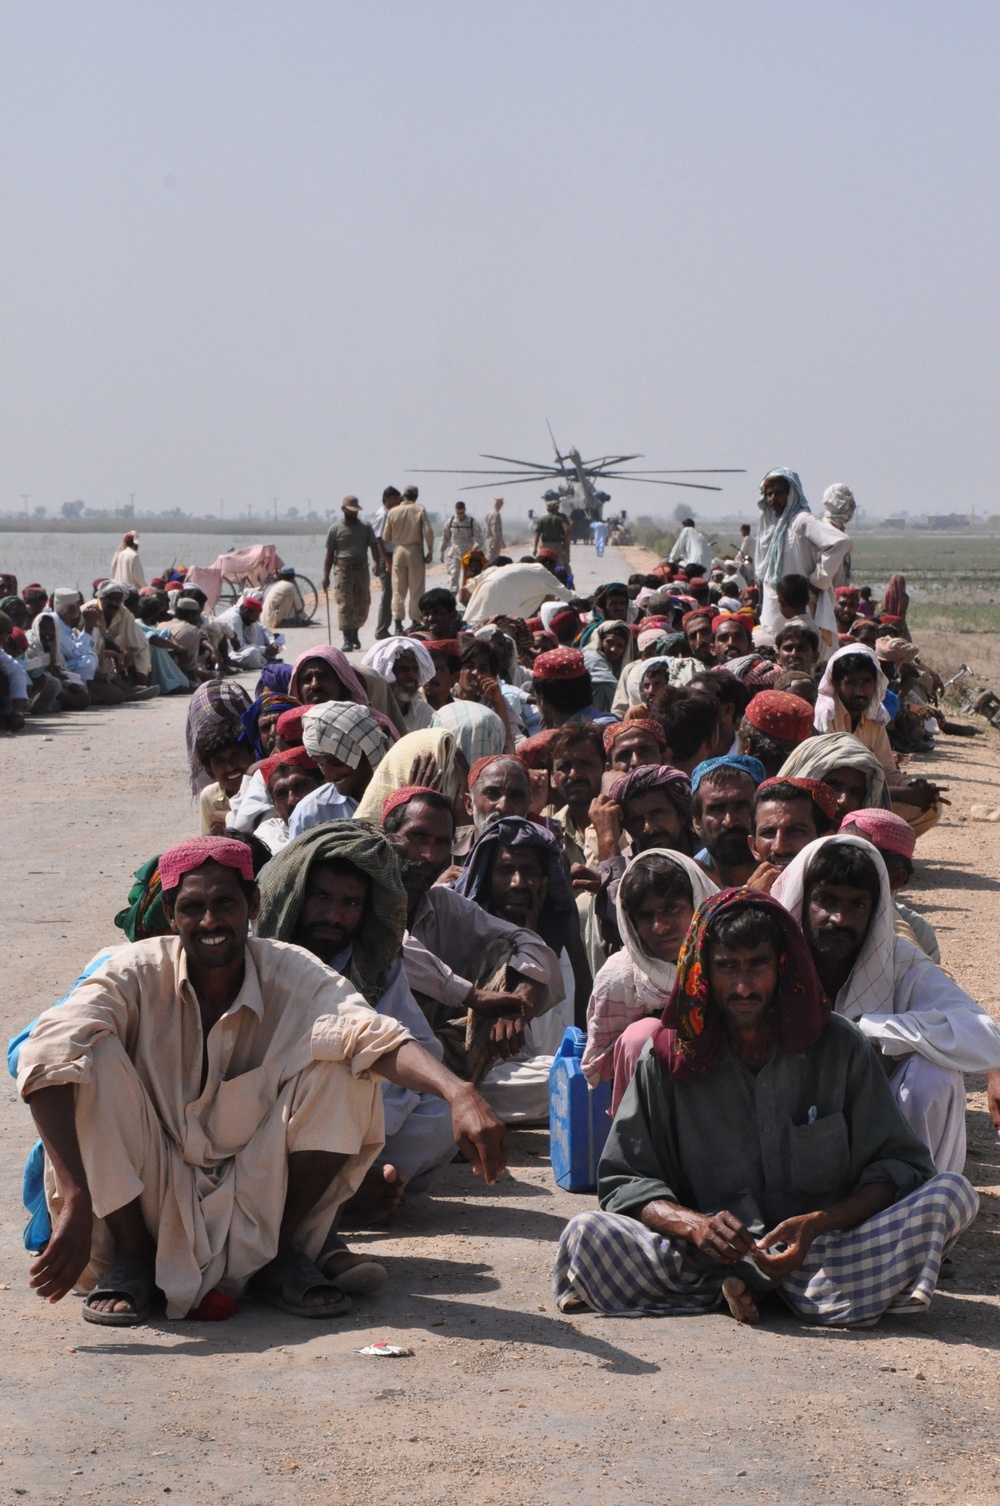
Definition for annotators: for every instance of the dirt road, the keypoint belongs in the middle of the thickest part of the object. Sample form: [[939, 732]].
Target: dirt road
[[504, 1401]]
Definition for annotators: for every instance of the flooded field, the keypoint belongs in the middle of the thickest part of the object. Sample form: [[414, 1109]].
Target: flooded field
[[953, 579]]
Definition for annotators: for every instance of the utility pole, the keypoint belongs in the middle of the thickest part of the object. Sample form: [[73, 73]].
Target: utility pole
[[131, 506], [275, 501], [222, 509], [25, 498]]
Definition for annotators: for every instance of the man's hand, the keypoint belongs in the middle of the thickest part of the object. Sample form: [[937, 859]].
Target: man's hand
[[723, 1238], [65, 1257], [424, 771], [798, 1234], [584, 879], [429, 558], [218, 823], [492, 695], [92, 615], [492, 1001], [921, 793], [507, 1035], [606, 819], [479, 1134], [538, 779], [993, 1098], [763, 877], [325, 583]]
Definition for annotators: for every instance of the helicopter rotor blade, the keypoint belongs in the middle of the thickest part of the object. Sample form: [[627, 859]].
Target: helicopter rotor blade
[[697, 486], [559, 457], [514, 480], [534, 465], [694, 471], [602, 461], [463, 471]]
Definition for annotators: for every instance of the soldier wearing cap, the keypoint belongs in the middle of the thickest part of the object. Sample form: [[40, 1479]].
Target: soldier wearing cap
[[347, 546]]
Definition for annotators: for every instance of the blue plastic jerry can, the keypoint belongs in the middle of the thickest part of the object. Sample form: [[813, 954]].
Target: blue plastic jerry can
[[579, 1117]]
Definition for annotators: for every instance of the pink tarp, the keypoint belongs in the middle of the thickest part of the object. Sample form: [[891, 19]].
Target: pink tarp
[[252, 566], [207, 579]]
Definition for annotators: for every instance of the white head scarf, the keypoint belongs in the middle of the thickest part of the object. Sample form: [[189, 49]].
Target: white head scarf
[[826, 703], [658, 974], [773, 530], [819, 756], [548, 610], [393, 773], [43, 656], [871, 986], [839, 505], [383, 656]]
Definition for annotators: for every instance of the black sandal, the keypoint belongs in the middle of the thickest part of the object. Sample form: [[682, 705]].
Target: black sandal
[[285, 1281], [130, 1279]]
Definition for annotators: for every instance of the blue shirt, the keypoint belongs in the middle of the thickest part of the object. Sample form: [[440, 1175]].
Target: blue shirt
[[18, 684], [319, 806]]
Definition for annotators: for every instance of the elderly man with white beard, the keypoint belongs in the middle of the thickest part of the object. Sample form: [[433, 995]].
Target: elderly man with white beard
[[925, 1028]]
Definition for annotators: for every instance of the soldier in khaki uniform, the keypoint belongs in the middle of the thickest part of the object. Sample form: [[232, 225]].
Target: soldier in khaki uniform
[[347, 546], [412, 540]]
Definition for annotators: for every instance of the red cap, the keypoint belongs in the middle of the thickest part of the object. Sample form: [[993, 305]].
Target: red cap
[[188, 856], [559, 664], [786, 717], [404, 796]]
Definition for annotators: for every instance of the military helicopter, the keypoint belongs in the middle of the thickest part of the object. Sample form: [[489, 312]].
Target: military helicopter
[[577, 478]]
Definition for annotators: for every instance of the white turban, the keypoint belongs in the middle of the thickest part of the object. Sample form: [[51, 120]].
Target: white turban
[[839, 505], [384, 655], [64, 598]]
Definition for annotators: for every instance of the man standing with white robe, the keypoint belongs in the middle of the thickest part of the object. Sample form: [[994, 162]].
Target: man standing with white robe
[[691, 548], [791, 541]]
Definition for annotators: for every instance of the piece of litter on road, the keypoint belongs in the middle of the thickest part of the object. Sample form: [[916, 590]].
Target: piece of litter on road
[[386, 1351]]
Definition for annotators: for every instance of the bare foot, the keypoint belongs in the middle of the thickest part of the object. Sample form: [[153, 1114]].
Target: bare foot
[[112, 1305], [739, 1301], [357, 1275], [376, 1201]]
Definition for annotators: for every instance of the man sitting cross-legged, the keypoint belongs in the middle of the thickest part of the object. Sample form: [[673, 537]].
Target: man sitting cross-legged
[[516, 873], [211, 1101], [927, 1029], [757, 1148], [336, 891], [456, 949]]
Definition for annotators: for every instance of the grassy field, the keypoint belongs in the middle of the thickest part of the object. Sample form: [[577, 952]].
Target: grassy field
[[936, 565]]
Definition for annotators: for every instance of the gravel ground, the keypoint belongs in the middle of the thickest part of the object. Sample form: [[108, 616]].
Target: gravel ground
[[505, 1400]]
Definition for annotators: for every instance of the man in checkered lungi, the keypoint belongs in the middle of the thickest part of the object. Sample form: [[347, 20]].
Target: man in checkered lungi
[[759, 1148]]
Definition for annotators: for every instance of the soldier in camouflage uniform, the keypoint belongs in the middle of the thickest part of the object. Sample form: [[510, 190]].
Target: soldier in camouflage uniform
[[347, 546]]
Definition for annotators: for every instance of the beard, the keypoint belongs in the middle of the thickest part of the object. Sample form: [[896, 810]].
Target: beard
[[419, 876], [731, 847], [833, 941]]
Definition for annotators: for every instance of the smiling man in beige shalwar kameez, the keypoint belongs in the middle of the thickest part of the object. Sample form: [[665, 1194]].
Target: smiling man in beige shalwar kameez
[[207, 1102]]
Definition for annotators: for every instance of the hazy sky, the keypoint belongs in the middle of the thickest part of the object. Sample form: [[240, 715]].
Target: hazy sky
[[300, 249]]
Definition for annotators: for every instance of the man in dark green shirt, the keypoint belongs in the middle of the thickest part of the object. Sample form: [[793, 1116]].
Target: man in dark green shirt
[[759, 1148], [552, 530], [347, 546]]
